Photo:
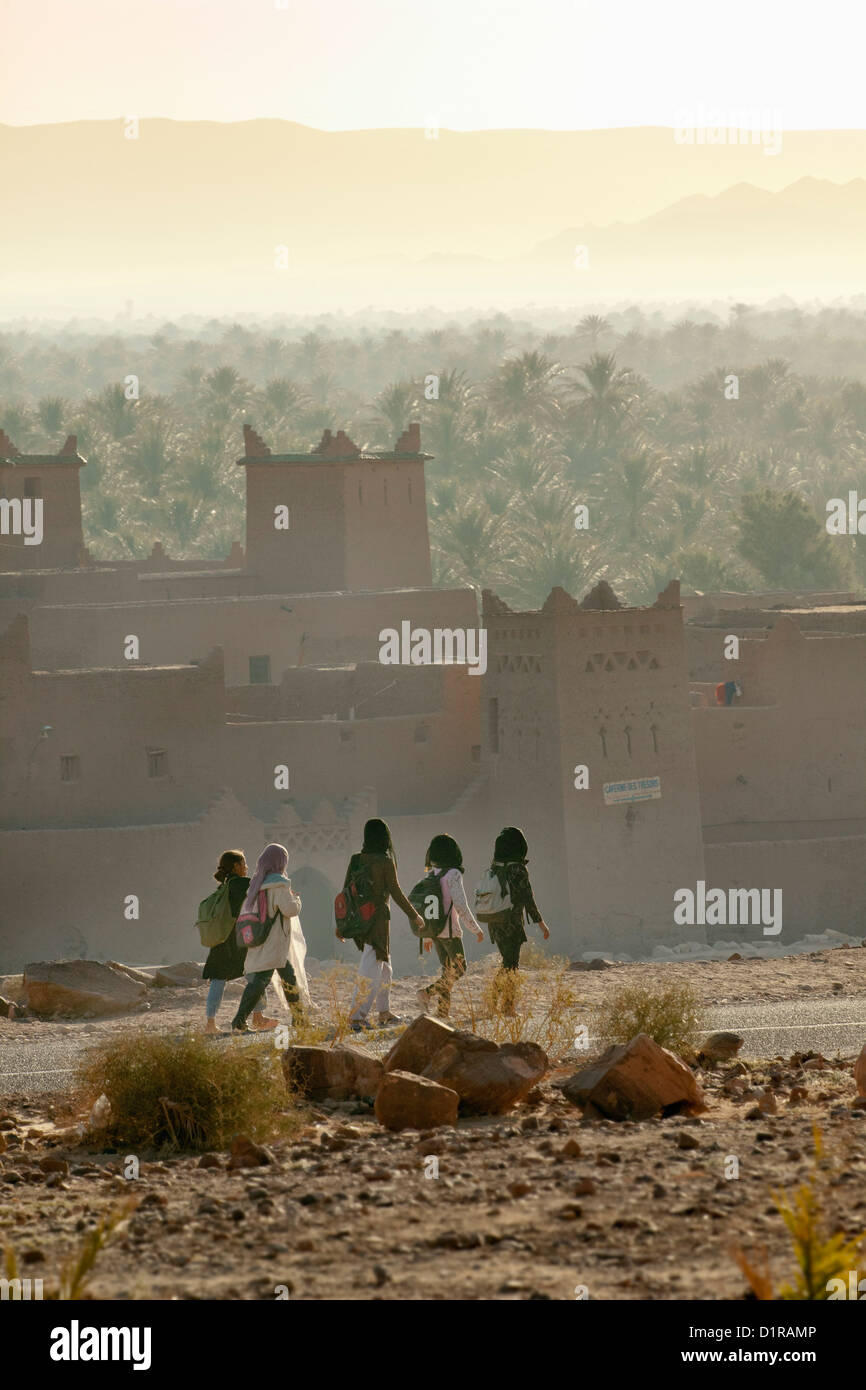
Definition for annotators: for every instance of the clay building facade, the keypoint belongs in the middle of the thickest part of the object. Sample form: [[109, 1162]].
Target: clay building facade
[[268, 659]]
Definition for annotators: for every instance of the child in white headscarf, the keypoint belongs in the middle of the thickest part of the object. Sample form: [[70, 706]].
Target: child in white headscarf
[[284, 948]]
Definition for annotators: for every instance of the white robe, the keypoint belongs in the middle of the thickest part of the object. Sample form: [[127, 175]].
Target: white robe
[[284, 944]]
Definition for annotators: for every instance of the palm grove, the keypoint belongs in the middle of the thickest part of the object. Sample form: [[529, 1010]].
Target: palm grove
[[685, 471]]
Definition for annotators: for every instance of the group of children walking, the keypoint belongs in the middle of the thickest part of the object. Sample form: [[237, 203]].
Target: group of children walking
[[265, 912]]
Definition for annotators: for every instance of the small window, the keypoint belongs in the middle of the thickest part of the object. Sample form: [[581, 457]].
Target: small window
[[410, 489], [70, 768], [476, 753], [385, 493], [157, 762], [260, 670], [421, 733], [31, 487], [347, 736]]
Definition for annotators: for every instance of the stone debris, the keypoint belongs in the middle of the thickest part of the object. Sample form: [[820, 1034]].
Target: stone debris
[[338, 1073], [719, 1047], [407, 1101], [182, 975], [419, 1044], [488, 1077], [244, 1153], [635, 1081]]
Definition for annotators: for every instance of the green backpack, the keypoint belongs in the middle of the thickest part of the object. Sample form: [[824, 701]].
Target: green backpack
[[215, 917]]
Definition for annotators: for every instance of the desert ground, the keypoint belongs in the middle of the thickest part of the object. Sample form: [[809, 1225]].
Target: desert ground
[[538, 1203]]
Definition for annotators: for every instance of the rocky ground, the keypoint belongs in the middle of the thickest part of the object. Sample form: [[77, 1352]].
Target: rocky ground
[[538, 1203]]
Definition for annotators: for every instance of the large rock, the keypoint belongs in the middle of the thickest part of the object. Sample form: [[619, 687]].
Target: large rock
[[75, 987], [860, 1072], [185, 973], [488, 1078], [635, 1081], [141, 977], [417, 1047], [719, 1047], [332, 1073], [407, 1101]]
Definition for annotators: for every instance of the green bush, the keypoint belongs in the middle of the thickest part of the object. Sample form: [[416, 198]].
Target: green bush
[[187, 1093], [669, 1016]]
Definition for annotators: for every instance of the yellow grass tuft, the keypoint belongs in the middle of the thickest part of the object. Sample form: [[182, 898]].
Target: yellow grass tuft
[[821, 1256]]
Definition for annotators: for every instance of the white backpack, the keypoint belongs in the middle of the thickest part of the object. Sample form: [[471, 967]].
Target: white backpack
[[492, 899]]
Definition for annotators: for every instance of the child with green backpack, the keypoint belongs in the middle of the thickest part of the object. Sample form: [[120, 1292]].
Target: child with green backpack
[[217, 915], [216, 923]]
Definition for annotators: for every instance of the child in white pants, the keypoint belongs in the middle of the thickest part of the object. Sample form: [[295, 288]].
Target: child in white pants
[[373, 987], [378, 861]]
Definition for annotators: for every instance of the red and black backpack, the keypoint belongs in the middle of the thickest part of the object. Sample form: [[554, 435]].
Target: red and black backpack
[[356, 906]]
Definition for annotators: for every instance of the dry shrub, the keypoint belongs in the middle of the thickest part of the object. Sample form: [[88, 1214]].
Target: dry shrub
[[338, 981], [820, 1255], [515, 1006], [669, 1016], [185, 1093], [534, 956]]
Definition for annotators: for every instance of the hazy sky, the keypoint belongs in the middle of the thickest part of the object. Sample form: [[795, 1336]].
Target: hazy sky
[[465, 64]]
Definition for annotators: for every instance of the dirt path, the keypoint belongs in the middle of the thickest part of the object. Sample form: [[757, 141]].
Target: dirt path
[[535, 1204]]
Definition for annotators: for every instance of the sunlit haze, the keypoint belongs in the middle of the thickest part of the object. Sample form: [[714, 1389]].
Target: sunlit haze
[[554, 64]]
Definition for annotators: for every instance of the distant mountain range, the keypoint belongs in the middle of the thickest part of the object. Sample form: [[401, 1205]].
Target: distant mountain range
[[189, 216]]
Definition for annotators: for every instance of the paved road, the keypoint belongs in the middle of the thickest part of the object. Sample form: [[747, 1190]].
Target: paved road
[[827, 1025], [830, 1025]]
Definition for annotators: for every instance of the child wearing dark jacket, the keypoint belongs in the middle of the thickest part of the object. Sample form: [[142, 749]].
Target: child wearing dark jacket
[[227, 960], [508, 935]]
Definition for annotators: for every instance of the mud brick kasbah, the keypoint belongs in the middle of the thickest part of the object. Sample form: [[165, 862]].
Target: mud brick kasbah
[[144, 769]]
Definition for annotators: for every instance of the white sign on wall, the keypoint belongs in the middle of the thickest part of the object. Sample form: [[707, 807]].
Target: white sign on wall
[[640, 789]]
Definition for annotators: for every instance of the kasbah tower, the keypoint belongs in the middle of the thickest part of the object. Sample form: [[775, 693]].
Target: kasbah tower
[[145, 764]]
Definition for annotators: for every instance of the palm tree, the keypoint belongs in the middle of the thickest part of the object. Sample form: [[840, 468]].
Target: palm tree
[[149, 458], [115, 414], [593, 327], [524, 390], [396, 403], [471, 543], [52, 412], [605, 397]]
